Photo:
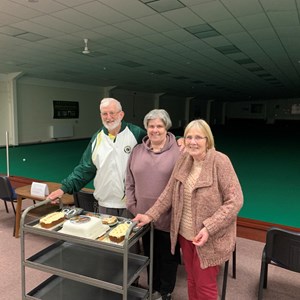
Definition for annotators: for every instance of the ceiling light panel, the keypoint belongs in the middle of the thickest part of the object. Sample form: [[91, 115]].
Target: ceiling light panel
[[164, 5], [32, 37], [130, 64], [228, 49]]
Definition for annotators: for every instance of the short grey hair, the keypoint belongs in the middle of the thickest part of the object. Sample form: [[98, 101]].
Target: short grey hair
[[107, 101], [158, 114]]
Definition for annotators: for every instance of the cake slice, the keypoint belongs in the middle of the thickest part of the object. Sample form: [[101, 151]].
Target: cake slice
[[109, 220], [117, 235], [52, 219]]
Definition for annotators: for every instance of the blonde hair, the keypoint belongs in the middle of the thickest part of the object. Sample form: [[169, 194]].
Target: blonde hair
[[205, 128]]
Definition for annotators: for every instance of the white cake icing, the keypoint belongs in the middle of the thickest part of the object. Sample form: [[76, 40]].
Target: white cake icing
[[85, 226]]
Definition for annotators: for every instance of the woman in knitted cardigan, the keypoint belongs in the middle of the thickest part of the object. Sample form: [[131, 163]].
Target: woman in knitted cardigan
[[205, 196]]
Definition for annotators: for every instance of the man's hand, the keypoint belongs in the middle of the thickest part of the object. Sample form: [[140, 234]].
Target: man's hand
[[181, 145], [142, 220], [201, 238], [55, 196]]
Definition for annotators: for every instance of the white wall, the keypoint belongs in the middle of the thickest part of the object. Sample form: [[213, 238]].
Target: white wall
[[4, 108], [35, 108], [34, 102]]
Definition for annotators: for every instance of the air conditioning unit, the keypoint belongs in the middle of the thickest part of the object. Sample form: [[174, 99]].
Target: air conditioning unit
[[61, 131]]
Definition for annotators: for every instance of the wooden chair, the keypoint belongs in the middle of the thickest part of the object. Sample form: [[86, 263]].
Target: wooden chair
[[282, 250]]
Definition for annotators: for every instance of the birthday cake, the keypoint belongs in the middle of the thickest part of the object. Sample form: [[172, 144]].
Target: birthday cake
[[84, 226]]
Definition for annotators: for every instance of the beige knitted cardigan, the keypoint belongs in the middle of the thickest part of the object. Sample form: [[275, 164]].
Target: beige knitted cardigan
[[216, 200]]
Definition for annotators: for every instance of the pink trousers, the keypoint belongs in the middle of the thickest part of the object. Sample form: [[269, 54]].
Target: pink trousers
[[202, 283]]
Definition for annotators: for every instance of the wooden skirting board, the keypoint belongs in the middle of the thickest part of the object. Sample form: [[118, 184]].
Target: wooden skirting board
[[246, 228], [256, 230]]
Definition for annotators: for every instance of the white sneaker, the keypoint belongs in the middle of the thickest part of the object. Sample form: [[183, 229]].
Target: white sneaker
[[156, 296]]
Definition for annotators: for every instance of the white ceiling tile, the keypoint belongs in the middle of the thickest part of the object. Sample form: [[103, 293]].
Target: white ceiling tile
[[80, 19], [138, 43], [8, 41], [227, 26], [93, 37], [212, 11], [135, 27], [190, 3], [196, 44], [180, 35], [184, 17], [18, 10], [55, 44], [178, 48], [287, 18], [130, 8], [278, 5], [101, 12], [257, 21], [217, 41], [288, 32], [38, 29], [240, 38], [46, 6], [159, 39], [263, 34], [72, 3], [57, 24], [6, 19], [11, 31], [241, 8], [158, 23], [113, 32], [272, 47]]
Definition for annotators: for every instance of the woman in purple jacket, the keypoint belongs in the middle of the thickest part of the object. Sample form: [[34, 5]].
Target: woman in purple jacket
[[205, 196], [148, 171]]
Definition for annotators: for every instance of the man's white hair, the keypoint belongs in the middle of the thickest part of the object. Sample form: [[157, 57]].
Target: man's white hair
[[107, 101]]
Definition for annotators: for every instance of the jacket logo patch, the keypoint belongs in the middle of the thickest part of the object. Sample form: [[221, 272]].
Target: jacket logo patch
[[127, 149]]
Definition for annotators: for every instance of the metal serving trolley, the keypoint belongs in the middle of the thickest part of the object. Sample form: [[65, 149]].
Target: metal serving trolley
[[81, 268]]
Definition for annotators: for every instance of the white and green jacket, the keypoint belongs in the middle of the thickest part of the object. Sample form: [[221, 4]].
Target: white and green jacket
[[105, 161]]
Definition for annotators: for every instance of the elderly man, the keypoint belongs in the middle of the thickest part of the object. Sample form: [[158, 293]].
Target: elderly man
[[105, 160]]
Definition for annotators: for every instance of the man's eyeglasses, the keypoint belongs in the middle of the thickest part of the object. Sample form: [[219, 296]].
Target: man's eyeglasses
[[197, 138], [111, 113]]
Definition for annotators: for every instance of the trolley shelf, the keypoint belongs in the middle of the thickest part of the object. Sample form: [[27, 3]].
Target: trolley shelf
[[107, 266], [62, 288]]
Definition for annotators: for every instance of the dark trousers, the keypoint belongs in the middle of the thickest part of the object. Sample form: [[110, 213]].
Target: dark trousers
[[164, 263]]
